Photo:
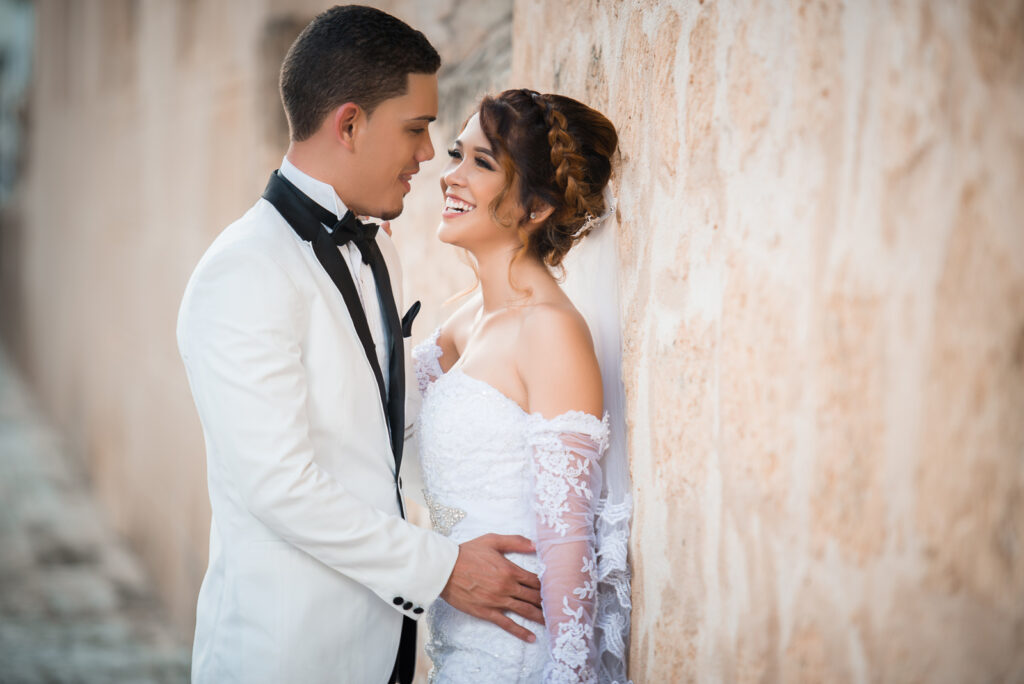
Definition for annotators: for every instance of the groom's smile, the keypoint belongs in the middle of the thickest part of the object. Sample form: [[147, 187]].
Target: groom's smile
[[406, 179]]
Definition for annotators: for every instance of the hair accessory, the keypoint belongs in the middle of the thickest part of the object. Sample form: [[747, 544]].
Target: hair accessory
[[609, 208]]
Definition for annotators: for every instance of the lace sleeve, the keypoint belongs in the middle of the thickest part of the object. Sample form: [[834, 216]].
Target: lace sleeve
[[425, 358], [566, 485]]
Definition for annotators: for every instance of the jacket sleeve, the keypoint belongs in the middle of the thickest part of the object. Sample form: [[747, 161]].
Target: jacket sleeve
[[239, 336]]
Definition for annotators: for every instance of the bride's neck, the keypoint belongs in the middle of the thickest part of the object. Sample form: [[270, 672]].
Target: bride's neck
[[499, 271]]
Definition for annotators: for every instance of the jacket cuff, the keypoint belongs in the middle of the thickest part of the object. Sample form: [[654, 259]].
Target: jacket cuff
[[433, 577]]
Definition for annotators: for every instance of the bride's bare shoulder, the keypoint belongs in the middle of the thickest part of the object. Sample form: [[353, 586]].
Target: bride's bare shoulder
[[556, 361], [557, 328], [455, 330]]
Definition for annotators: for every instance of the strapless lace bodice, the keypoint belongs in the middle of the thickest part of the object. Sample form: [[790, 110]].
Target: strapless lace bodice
[[489, 466], [474, 457]]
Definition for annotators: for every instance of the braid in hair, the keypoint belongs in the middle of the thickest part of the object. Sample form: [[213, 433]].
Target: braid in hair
[[570, 176], [570, 166]]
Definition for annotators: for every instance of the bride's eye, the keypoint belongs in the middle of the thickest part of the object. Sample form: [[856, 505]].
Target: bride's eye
[[484, 163], [454, 153]]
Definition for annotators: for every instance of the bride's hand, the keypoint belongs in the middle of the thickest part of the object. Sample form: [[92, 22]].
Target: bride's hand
[[387, 227], [484, 583]]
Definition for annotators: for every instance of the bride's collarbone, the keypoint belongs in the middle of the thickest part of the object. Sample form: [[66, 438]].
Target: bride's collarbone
[[486, 346], [489, 357], [487, 334]]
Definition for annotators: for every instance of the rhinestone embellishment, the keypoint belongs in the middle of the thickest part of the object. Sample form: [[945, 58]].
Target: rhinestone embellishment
[[442, 518]]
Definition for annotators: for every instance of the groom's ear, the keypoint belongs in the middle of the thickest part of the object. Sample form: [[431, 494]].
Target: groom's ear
[[344, 122]]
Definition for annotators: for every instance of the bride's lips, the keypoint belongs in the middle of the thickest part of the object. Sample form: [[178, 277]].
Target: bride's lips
[[455, 206]]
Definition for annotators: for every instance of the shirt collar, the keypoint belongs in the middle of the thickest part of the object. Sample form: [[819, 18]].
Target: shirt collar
[[318, 191]]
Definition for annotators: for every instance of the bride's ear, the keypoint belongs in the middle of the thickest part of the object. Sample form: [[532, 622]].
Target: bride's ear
[[538, 214], [345, 122]]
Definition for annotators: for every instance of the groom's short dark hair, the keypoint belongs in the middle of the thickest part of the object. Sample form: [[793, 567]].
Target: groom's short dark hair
[[354, 54]]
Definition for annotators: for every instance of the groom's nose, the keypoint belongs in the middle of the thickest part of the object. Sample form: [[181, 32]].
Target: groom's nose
[[425, 152]]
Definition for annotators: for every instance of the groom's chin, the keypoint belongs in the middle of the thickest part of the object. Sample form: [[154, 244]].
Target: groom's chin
[[378, 208], [391, 212]]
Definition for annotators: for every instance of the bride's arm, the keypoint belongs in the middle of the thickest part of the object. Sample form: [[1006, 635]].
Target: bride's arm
[[563, 382]]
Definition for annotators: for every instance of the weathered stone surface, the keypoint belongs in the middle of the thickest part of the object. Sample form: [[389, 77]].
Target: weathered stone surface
[[822, 271]]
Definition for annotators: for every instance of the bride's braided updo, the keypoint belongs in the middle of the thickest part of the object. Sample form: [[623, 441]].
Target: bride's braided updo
[[555, 151]]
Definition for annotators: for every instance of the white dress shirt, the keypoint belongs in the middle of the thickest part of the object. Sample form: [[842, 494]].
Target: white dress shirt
[[325, 195]]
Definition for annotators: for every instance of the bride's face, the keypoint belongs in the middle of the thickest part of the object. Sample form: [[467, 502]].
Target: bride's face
[[471, 181]]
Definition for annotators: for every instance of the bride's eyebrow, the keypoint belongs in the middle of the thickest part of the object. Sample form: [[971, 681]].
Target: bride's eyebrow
[[483, 150]]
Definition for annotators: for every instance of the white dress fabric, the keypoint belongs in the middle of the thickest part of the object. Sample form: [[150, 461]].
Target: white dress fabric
[[488, 466]]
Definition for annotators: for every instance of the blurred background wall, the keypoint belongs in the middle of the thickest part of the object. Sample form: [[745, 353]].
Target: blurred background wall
[[821, 274]]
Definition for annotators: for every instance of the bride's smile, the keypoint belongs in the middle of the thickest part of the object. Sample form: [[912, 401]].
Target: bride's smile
[[453, 206]]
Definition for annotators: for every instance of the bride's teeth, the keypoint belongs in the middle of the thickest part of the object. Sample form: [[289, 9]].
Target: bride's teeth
[[457, 206]]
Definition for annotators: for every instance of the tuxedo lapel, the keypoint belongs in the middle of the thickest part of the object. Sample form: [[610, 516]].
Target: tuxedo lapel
[[330, 258], [288, 201], [396, 359]]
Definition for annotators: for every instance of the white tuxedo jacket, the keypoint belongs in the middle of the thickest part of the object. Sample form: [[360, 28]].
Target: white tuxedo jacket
[[311, 566]]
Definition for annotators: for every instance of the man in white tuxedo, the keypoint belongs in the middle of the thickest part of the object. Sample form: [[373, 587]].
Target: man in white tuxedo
[[296, 358]]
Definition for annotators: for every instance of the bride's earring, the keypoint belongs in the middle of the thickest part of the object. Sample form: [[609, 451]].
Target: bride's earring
[[533, 215]]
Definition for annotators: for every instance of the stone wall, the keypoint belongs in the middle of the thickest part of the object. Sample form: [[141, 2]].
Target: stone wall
[[822, 287], [822, 272]]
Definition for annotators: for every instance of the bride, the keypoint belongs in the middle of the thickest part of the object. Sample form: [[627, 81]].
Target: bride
[[514, 433]]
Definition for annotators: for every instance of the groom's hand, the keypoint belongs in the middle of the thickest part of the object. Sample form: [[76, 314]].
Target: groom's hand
[[484, 583]]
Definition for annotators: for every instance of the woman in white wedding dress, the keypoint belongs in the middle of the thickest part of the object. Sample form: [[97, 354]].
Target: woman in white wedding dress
[[513, 433]]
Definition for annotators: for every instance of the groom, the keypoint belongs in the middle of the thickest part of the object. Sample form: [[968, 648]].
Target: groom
[[291, 338]]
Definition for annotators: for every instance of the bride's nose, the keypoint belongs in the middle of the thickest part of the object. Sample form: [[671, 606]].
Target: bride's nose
[[452, 177]]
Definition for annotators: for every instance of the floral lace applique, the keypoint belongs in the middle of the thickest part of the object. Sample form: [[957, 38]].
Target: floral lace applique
[[566, 475], [426, 358]]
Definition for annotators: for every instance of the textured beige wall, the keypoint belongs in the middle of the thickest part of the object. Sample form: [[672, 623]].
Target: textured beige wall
[[822, 256], [154, 125]]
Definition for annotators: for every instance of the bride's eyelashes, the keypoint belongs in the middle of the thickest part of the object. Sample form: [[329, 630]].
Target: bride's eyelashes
[[455, 154]]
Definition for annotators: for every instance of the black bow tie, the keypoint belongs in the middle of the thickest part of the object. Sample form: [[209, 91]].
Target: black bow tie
[[343, 231], [350, 229]]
